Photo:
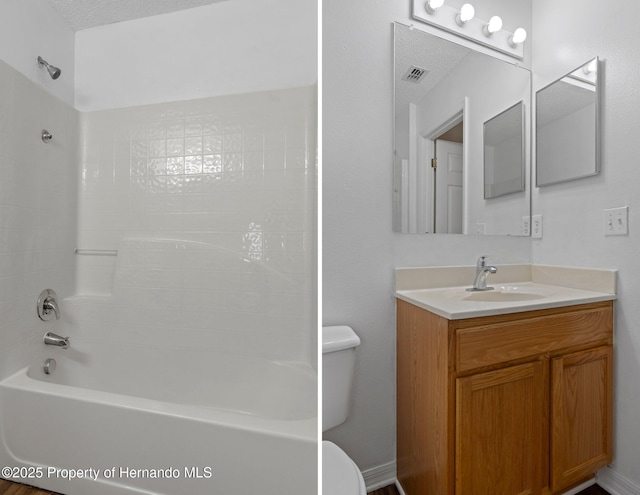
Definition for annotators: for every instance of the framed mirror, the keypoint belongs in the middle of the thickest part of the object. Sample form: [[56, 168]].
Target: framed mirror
[[443, 95], [568, 128], [504, 142]]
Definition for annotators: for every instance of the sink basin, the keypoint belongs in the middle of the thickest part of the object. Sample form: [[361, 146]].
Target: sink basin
[[502, 296], [443, 290]]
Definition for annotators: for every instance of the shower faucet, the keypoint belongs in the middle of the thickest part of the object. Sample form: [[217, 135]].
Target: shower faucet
[[48, 305]]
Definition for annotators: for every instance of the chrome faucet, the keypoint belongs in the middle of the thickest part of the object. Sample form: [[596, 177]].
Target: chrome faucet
[[51, 338], [482, 270], [48, 305]]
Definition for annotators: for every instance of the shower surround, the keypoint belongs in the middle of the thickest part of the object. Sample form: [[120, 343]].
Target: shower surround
[[195, 228], [38, 211], [232, 175]]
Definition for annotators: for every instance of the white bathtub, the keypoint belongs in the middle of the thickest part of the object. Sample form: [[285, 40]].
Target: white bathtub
[[160, 422]]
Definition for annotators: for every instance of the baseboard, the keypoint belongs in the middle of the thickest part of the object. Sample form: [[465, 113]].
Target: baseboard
[[615, 483], [380, 476], [607, 478], [573, 491], [580, 487]]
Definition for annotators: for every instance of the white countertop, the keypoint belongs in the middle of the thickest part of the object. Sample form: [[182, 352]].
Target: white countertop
[[455, 303], [518, 288]]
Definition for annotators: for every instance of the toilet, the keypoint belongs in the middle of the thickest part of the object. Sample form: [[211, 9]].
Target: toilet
[[340, 475]]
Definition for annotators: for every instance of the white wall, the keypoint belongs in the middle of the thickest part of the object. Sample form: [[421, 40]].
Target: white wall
[[224, 48], [229, 47], [359, 250], [29, 29], [573, 211]]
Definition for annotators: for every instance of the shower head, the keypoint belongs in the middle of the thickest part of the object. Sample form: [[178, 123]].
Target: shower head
[[54, 72]]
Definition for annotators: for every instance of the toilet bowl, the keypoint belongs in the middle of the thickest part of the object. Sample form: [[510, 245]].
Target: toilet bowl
[[340, 475]]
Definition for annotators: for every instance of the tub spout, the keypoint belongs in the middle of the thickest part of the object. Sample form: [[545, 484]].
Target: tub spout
[[51, 338]]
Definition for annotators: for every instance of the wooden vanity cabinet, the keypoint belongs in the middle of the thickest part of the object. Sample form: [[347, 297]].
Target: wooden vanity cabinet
[[581, 414], [517, 404], [499, 430]]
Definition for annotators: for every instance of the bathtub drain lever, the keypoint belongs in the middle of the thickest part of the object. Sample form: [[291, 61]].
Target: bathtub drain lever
[[49, 366]]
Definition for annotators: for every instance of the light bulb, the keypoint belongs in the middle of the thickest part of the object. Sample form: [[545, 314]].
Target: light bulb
[[433, 5], [591, 67], [465, 15], [518, 37], [494, 25]]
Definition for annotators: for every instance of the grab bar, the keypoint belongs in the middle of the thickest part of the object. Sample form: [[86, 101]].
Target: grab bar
[[97, 252]]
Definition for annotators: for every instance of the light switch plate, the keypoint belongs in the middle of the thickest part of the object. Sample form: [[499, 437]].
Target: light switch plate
[[536, 226], [616, 221]]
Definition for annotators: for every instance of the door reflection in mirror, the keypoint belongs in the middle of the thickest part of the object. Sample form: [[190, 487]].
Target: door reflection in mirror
[[446, 180]]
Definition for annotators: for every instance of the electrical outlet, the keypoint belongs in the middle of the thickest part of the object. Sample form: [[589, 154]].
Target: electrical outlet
[[616, 221], [526, 225], [536, 226], [481, 228]]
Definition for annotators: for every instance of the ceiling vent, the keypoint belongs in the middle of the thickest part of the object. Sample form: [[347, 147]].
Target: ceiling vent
[[415, 74]]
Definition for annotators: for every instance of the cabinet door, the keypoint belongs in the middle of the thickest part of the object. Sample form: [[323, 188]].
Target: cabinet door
[[500, 420], [581, 415], [424, 403]]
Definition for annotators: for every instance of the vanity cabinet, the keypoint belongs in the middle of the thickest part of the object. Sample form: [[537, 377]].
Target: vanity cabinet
[[503, 405]]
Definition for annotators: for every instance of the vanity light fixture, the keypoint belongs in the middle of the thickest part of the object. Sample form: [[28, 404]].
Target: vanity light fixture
[[433, 5], [591, 67], [463, 22], [493, 26], [465, 15], [518, 37]]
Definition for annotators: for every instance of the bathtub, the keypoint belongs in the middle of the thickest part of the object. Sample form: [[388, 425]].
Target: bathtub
[[112, 420]]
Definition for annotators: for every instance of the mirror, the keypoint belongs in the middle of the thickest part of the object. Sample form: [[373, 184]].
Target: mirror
[[567, 127], [443, 95], [504, 152]]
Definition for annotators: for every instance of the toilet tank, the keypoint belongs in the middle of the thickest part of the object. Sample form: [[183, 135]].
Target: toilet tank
[[338, 357]]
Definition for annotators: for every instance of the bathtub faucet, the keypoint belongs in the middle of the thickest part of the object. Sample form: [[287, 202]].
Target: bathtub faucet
[[51, 338]]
